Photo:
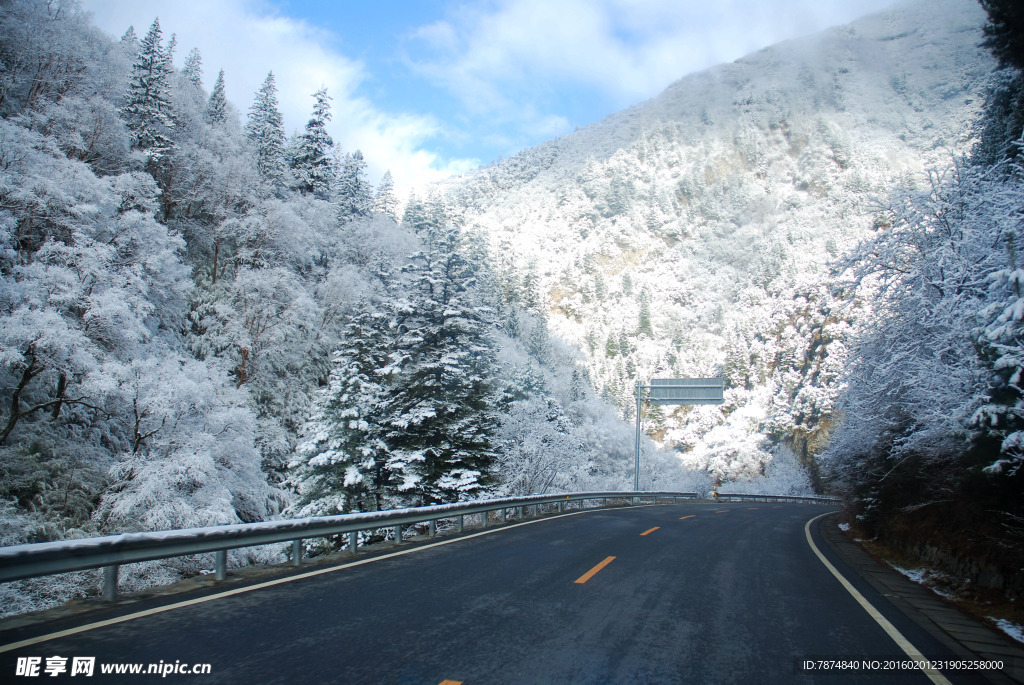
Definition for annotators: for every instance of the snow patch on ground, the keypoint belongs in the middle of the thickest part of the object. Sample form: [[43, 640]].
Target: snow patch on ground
[[844, 527], [928, 578], [1012, 629]]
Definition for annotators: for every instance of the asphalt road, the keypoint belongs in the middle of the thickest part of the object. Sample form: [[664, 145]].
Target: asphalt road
[[695, 593]]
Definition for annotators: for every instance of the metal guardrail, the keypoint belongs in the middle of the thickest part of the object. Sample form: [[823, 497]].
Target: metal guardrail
[[109, 552], [739, 497]]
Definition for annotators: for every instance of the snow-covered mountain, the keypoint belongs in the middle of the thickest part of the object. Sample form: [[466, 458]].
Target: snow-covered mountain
[[694, 233]]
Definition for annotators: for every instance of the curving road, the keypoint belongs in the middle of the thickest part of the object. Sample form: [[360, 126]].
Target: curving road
[[688, 593]]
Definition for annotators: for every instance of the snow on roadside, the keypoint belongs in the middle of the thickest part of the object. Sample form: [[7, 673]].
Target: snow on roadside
[[1014, 630], [928, 578], [931, 579]]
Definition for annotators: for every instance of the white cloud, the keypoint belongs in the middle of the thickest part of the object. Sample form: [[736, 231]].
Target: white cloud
[[248, 38], [514, 66], [627, 49]]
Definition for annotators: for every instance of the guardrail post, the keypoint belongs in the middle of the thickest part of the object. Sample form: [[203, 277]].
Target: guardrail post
[[398, 534], [221, 557], [432, 527], [483, 523], [461, 521], [110, 582], [297, 552], [560, 506], [502, 514], [353, 541]]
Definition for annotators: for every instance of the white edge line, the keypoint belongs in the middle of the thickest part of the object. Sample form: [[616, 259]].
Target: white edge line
[[278, 581], [904, 644]]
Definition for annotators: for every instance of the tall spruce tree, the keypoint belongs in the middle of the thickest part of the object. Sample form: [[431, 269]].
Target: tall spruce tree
[[437, 415], [130, 37], [312, 163], [415, 217], [341, 466], [265, 131], [353, 194], [1004, 31], [193, 69], [385, 201], [147, 109], [216, 108], [1000, 125]]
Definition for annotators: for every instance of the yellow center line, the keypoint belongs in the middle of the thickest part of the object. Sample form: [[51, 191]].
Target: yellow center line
[[648, 532], [593, 572], [278, 581], [683, 518], [451, 682]]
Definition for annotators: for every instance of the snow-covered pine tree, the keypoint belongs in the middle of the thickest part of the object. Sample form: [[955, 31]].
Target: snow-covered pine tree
[[147, 108], [312, 163], [265, 131], [216, 108], [172, 45], [644, 325], [385, 201], [1004, 31], [341, 465], [437, 414], [352, 192], [1000, 338], [415, 217], [130, 37], [193, 69]]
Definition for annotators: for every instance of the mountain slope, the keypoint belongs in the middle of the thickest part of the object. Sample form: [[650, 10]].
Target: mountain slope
[[692, 234]]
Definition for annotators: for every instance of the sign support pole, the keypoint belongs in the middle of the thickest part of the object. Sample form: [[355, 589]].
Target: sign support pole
[[636, 463], [674, 391]]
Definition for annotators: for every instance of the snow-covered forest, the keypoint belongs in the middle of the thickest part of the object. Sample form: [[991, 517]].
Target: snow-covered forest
[[204, 320], [698, 233], [833, 223]]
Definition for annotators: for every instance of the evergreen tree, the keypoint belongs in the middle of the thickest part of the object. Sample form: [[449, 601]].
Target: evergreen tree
[[530, 291], [611, 347], [353, 195], [1004, 31], [147, 108], [539, 343], [415, 217], [644, 326], [437, 418], [341, 465], [1001, 342], [216, 109], [172, 45], [1002, 120], [130, 37], [407, 418], [385, 201], [312, 163], [193, 69], [265, 131]]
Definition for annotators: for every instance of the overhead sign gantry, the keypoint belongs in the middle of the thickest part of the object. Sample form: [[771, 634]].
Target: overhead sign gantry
[[675, 391]]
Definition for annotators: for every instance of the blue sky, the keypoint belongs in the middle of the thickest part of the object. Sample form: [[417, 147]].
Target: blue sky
[[431, 88]]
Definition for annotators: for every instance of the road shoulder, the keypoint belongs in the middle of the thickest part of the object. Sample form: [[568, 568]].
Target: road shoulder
[[964, 635]]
